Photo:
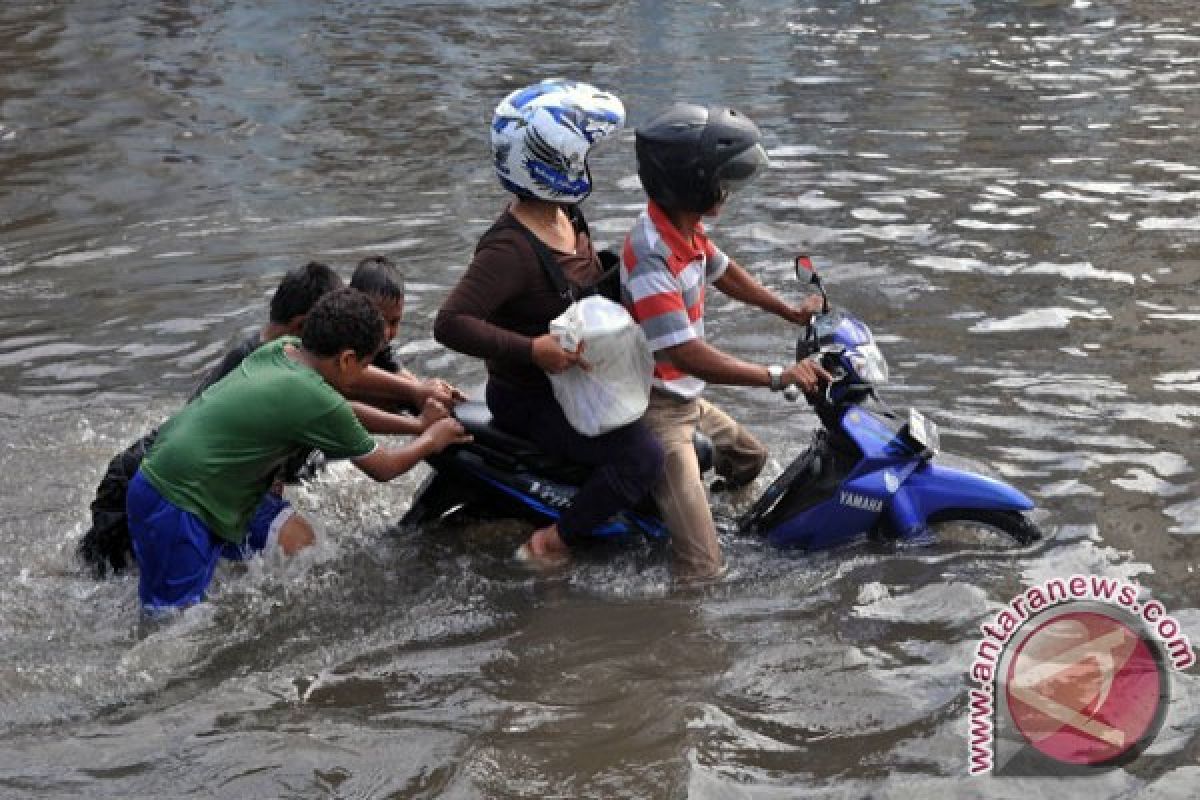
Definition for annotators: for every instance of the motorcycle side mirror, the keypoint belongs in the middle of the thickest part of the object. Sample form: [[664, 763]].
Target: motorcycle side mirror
[[805, 265]]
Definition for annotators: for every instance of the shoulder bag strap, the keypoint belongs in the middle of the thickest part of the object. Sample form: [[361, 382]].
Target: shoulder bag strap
[[567, 290], [547, 260]]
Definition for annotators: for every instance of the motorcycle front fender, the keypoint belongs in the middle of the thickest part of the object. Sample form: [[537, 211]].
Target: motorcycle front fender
[[933, 488]]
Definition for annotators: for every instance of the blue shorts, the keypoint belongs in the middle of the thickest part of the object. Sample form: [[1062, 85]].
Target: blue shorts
[[177, 553]]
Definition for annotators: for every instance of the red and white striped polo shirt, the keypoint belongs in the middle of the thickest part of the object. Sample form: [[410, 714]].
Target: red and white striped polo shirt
[[663, 277]]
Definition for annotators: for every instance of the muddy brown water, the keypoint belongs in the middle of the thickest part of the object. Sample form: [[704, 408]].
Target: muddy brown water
[[1007, 192]]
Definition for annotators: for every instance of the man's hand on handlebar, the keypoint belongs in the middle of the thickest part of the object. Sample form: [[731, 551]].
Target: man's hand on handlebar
[[807, 374], [803, 313]]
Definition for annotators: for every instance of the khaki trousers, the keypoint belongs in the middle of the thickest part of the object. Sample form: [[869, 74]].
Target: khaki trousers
[[680, 493]]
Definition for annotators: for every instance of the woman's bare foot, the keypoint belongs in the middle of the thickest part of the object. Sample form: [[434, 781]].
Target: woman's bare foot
[[544, 550]]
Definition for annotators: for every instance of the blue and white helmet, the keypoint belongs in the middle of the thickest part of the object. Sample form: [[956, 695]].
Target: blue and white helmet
[[541, 136]]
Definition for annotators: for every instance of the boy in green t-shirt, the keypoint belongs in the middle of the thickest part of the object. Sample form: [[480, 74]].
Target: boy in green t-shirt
[[196, 491], [106, 544]]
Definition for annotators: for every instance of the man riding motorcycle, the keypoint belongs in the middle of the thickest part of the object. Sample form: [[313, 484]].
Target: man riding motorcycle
[[690, 159]]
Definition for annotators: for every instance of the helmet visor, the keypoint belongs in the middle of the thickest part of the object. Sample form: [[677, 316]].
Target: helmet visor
[[741, 169]]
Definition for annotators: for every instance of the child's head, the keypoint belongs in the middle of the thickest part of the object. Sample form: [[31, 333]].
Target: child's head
[[691, 158], [299, 291], [381, 281], [345, 329]]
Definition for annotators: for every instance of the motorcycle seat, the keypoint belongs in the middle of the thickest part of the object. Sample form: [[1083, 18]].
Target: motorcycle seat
[[477, 419]]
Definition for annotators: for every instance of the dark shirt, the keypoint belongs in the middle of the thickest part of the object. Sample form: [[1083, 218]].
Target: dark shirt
[[385, 359], [504, 300], [226, 365]]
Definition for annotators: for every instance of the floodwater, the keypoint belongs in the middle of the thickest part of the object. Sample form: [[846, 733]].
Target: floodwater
[[1007, 192]]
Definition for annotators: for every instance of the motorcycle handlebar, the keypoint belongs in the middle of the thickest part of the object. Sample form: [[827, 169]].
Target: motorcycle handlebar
[[808, 345], [792, 392]]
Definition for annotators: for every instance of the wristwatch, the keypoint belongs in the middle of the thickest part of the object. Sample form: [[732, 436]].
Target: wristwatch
[[775, 372]]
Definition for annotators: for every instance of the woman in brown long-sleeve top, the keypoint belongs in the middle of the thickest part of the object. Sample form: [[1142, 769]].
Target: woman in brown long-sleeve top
[[502, 306]]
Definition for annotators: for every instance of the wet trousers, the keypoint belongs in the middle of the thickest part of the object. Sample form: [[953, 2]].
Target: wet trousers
[[627, 461], [681, 496]]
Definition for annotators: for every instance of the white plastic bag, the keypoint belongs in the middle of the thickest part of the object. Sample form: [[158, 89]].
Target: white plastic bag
[[616, 390]]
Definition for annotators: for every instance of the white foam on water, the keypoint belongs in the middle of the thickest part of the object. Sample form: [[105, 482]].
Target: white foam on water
[[86, 256], [796, 151], [1070, 487], [816, 80], [391, 246], [947, 603], [1080, 270], [1167, 166], [993, 208], [204, 233], [329, 222], [1039, 319], [1074, 197], [984, 225], [1169, 224], [875, 215]]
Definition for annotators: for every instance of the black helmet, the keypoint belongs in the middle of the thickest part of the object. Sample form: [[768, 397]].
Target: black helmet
[[690, 158]]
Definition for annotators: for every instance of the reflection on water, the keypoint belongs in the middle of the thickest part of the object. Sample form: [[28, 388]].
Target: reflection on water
[[1006, 192]]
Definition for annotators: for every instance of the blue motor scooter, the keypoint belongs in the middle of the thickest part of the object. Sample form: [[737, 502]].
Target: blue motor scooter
[[869, 470]]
